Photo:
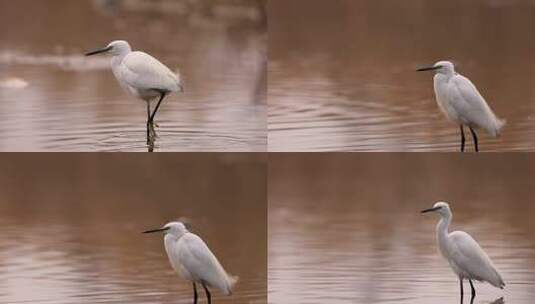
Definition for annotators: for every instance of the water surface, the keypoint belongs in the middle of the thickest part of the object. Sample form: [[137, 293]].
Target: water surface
[[347, 228], [342, 73], [71, 225], [52, 98]]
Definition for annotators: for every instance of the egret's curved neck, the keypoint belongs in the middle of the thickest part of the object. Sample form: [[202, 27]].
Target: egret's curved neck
[[117, 59], [169, 239], [176, 235], [122, 54], [448, 74], [442, 226]]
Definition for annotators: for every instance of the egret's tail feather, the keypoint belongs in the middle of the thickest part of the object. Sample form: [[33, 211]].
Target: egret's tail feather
[[494, 126], [500, 123], [232, 280], [178, 81], [502, 283], [497, 281]]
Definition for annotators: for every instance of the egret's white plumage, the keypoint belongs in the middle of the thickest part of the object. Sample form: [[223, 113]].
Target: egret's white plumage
[[461, 102], [462, 252], [141, 75], [191, 258]]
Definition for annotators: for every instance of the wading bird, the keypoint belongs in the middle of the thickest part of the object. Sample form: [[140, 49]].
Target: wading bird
[[141, 75], [193, 260], [463, 253], [461, 102]]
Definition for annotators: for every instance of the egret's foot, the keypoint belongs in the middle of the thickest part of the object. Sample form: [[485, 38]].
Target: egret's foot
[[151, 134], [152, 131]]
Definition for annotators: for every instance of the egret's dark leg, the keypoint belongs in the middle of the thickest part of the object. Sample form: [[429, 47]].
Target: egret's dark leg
[[473, 289], [195, 296], [148, 122], [208, 295], [474, 136], [462, 291], [463, 140], [157, 107]]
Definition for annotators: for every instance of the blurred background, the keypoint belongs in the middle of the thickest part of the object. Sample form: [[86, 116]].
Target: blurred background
[[71, 225], [342, 72], [52, 98], [347, 228]]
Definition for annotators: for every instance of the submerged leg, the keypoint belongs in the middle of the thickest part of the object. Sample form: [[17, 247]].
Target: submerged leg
[[195, 296], [473, 289], [474, 135], [463, 140], [208, 295], [157, 107]]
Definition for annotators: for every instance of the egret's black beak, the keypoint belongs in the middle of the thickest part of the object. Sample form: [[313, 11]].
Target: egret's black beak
[[156, 230], [103, 50], [430, 210], [429, 68]]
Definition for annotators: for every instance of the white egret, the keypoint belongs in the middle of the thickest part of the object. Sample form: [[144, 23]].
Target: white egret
[[463, 253], [193, 260], [461, 102], [141, 75]]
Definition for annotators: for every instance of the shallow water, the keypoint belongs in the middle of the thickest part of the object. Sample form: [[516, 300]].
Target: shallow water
[[342, 76], [71, 225], [67, 102], [347, 228]]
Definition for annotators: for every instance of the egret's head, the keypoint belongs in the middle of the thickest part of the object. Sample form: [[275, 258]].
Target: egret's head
[[116, 48], [442, 67], [175, 228], [441, 208]]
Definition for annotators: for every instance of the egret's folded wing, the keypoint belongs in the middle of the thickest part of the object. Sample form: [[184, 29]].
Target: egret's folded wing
[[142, 71], [469, 256], [471, 106], [202, 264]]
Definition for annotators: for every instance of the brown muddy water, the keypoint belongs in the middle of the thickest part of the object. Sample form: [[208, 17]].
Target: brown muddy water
[[71, 225], [52, 98], [347, 228], [342, 72]]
